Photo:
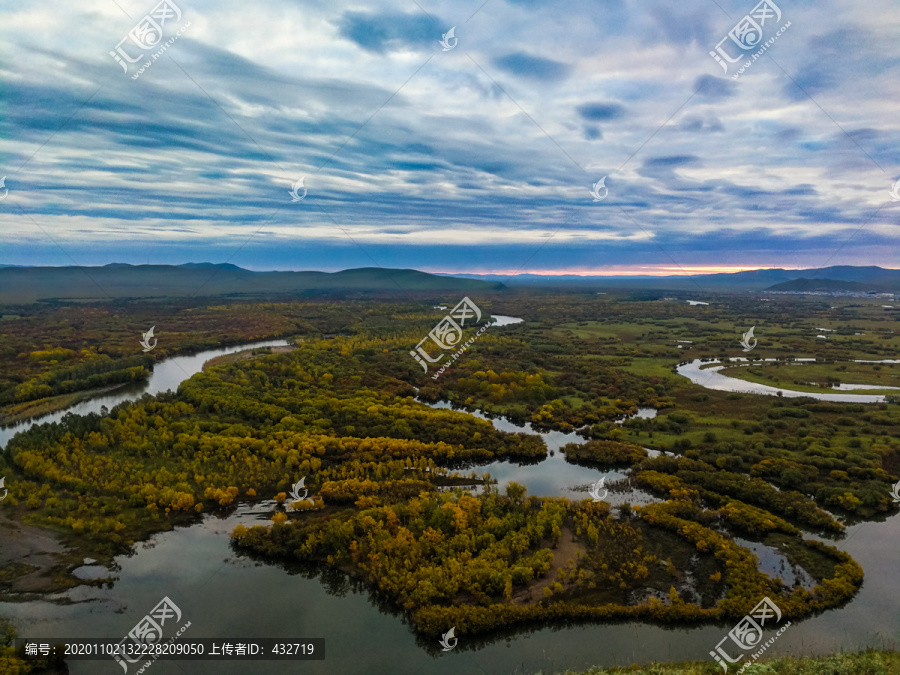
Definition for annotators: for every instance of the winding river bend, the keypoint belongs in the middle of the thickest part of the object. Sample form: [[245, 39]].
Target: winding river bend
[[711, 378], [166, 375], [225, 595]]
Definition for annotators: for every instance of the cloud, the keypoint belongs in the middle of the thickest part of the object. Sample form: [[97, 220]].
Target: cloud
[[713, 88], [380, 33], [694, 124], [532, 67], [600, 112], [419, 155], [678, 160], [684, 23]]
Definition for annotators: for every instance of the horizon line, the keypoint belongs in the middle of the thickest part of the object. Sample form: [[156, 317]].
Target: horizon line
[[606, 271]]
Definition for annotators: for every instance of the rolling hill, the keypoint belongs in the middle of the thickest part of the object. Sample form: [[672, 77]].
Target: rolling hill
[[22, 285]]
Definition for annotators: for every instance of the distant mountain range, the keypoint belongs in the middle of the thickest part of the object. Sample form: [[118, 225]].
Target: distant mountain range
[[20, 285], [874, 278]]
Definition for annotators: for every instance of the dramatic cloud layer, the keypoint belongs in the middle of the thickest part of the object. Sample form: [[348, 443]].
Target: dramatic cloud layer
[[471, 152]]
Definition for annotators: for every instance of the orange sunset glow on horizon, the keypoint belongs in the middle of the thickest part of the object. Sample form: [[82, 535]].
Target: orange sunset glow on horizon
[[618, 270]]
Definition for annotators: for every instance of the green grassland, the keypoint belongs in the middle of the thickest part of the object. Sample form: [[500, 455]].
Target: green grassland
[[796, 376]]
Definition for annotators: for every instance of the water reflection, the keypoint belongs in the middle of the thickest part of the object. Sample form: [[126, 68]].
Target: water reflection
[[554, 475], [776, 564]]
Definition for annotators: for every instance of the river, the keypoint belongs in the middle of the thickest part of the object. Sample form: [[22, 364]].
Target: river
[[711, 378], [554, 476], [225, 595], [166, 375]]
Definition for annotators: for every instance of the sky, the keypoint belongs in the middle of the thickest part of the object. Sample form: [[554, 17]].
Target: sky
[[543, 137]]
